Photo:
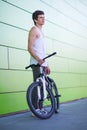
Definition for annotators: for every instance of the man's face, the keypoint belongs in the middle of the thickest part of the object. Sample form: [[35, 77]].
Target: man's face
[[40, 20]]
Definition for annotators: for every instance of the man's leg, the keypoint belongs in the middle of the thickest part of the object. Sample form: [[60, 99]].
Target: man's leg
[[36, 73]]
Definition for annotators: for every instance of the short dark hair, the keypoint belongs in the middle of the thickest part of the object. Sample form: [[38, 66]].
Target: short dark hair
[[35, 14]]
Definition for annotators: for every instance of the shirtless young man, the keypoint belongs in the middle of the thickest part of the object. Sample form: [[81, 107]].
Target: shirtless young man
[[36, 47]]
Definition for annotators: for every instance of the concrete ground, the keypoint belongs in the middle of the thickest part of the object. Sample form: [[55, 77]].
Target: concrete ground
[[72, 116]]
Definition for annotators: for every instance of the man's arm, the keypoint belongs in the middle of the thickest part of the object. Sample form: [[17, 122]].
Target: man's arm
[[31, 40]]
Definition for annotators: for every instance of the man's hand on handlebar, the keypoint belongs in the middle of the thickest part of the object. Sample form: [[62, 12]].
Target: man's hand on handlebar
[[47, 70]]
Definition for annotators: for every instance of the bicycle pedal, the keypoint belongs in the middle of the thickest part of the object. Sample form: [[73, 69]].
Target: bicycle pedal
[[58, 96]]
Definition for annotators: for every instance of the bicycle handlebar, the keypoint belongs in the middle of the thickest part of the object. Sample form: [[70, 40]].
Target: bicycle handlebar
[[54, 53]]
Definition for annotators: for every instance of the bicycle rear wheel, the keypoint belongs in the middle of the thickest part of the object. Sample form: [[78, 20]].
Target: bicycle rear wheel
[[55, 93], [46, 107]]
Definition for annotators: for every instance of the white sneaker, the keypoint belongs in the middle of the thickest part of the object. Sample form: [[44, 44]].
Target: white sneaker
[[38, 111], [43, 111]]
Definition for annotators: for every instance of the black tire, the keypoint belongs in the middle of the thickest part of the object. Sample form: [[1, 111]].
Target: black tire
[[56, 95], [54, 90], [48, 103]]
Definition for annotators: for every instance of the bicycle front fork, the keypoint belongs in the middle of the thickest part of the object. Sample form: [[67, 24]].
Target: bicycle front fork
[[42, 79]]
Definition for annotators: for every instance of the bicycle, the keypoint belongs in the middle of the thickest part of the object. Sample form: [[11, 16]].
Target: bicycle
[[47, 94]]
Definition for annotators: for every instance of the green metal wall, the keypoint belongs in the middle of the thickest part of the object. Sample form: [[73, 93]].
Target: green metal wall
[[65, 32]]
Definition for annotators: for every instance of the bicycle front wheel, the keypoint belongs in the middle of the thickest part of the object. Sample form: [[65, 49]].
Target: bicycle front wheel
[[45, 107]]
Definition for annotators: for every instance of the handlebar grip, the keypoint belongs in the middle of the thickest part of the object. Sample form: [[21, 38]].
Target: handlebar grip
[[50, 55], [27, 67]]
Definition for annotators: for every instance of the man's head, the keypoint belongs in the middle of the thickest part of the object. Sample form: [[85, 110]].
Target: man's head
[[38, 14]]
